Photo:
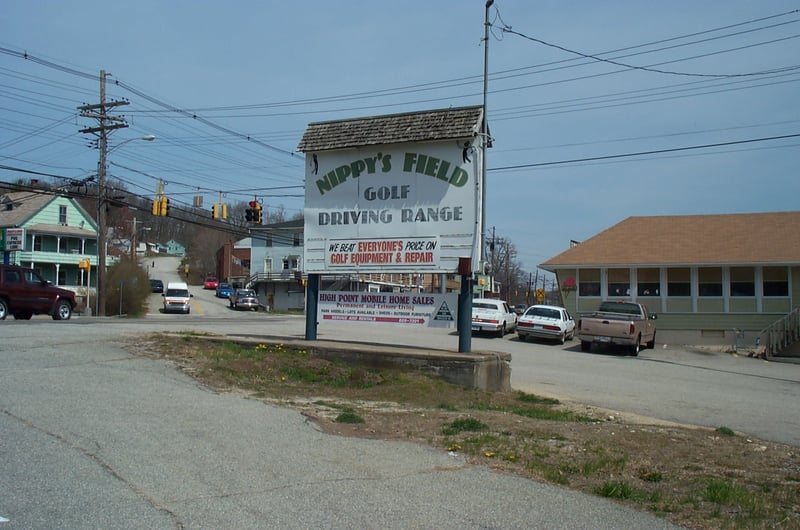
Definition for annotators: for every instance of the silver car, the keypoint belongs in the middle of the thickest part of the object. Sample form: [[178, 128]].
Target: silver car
[[244, 299]]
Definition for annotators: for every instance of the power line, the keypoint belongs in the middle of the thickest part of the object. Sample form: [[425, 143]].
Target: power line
[[507, 29], [642, 153]]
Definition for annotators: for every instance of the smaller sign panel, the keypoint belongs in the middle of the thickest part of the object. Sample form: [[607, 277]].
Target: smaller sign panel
[[409, 309], [402, 252], [15, 239]]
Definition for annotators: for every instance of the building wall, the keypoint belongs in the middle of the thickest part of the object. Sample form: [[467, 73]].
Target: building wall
[[694, 317]]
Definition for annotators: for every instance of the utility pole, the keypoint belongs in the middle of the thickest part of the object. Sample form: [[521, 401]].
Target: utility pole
[[484, 133], [105, 123]]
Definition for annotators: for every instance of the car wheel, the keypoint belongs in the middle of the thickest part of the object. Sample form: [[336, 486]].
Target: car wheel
[[636, 347], [586, 345], [651, 344], [3, 309], [562, 338], [63, 310], [502, 331], [571, 335]]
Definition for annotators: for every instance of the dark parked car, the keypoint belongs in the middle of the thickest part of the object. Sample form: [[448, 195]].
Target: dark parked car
[[156, 286], [244, 299], [23, 293]]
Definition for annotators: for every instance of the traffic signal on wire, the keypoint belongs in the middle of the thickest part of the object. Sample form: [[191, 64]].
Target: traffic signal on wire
[[156, 208], [215, 211], [164, 210], [257, 214]]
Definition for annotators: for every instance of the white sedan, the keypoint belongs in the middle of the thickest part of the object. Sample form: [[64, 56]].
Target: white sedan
[[489, 314], [546, 322]]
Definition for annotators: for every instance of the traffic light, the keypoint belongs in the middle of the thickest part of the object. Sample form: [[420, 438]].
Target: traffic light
[[164, 210], [257, 214], [215, 211], [251, 212], [224, 211], [156, 208]]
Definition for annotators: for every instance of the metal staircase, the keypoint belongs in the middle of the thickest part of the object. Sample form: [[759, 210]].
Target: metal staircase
[[778, 337]]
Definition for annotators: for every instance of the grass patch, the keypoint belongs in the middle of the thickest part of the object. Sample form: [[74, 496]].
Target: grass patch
[[463, 425], [725, 431], [349, 416], [724, 492]]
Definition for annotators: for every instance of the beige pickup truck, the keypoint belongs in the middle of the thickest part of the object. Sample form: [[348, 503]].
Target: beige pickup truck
[[625, 324]]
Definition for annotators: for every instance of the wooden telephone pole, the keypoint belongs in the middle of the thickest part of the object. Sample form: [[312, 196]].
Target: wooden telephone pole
[[105, 123]]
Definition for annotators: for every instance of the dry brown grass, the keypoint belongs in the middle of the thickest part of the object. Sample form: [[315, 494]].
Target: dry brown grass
[[696, 477]]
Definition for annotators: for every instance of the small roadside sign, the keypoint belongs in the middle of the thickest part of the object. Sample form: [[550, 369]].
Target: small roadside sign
[[14, 239]]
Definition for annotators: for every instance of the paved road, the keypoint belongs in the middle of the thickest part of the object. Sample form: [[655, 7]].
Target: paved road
[[93, 437]]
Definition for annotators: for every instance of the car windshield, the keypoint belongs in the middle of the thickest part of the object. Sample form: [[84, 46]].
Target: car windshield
[[543, 312], [177, 292], [224, 286], [247, 293]]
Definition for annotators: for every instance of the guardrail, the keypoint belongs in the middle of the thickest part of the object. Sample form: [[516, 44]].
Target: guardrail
[[781, 334]]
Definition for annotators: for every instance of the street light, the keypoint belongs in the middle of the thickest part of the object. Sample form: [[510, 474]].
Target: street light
[[133, 239], [101, 216]]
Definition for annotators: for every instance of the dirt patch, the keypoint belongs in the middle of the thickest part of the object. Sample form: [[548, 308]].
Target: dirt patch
[[696, 477]]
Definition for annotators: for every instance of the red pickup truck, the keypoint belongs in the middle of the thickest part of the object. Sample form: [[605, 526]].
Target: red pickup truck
[[622, 323], [23, 293]]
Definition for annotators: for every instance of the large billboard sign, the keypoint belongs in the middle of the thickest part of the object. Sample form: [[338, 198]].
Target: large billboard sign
[[392, 208]]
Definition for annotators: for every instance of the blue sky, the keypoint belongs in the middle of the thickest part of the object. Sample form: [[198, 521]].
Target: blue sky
[[258, 72]]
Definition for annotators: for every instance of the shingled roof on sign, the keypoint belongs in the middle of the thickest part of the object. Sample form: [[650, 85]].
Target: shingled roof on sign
[[425, 126]]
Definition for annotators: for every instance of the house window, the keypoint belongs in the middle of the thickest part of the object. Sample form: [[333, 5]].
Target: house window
[[589, 282], [743, 281], [62, 215], [37, 243], [619, 283], [268, 241], [679, 282], [648, 282], [776, 281], [290, 263], [297, 241], [709, 281]]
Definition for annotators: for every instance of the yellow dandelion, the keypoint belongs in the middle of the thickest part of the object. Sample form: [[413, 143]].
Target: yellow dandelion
[[488, 454]]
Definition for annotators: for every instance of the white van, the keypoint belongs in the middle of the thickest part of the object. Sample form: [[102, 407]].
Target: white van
[[177, 298]]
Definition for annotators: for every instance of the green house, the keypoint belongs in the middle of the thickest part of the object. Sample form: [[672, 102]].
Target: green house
[[58, 236]]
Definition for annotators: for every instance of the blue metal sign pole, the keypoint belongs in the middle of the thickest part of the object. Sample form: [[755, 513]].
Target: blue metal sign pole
[[312, 297]]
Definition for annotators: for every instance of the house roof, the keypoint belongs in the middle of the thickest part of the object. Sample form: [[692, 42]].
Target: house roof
[[17, 207], [754, 238], [432, 125]]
